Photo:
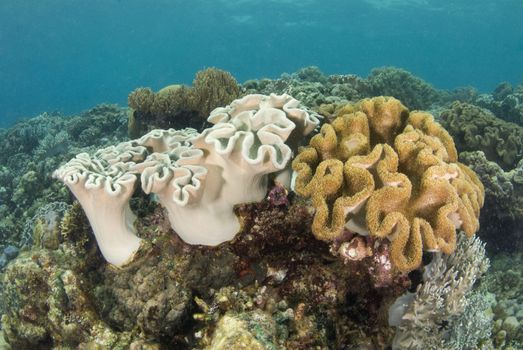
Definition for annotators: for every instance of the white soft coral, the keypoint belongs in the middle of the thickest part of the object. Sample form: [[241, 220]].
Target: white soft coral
[[103, 186]]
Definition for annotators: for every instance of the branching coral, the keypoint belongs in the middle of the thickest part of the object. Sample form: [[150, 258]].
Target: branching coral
[[444, 298], [378, 169]]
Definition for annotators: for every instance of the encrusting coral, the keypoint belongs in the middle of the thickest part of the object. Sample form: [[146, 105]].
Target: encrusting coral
[[378, 169], [274, 276]]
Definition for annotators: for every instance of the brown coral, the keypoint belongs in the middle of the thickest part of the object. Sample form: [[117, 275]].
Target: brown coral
[[378, 169], [170, 100], [178, 106], [141, 100], [213, 88]]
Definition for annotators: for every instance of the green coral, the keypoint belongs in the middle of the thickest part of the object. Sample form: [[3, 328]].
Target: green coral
[[414, 92], [503, 201], [476, 129]]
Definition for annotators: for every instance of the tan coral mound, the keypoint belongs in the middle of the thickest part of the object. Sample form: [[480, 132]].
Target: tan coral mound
[[378, 169]]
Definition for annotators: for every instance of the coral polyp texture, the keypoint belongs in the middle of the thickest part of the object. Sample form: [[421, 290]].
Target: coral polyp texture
[[476, 129], [383, 171], [196, 177], [178, 105]]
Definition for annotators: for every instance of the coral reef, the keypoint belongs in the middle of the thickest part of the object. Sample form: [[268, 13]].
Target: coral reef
[[401, 84], [33, 148], [505, 102], [475, 129], [272, 283], [443, 298], [195, 176], [178, 106], [503, 201], [505, 281], [312, 87], [493, 149], [378, 169]]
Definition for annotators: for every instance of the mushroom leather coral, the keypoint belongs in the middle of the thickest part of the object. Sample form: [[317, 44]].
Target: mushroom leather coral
[[378, 169], [103, 185]]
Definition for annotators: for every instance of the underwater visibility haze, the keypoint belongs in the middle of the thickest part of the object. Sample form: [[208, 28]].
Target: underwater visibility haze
[[66, 56], [263, 175]]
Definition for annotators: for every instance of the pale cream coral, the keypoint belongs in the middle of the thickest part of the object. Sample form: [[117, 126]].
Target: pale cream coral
[[103, 185], [198, 178], [378, 169]]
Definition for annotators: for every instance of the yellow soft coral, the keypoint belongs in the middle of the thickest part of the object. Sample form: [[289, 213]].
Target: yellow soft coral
[[378, 169]]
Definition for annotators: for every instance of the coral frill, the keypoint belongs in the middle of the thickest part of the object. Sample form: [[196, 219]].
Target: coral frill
[[378, 169]]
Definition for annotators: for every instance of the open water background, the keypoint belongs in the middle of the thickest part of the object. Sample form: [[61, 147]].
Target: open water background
[[69, 55]]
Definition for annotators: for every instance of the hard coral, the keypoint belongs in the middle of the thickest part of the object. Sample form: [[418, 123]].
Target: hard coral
[[505, 102], [503, 201], [378, 169], [445, 297]]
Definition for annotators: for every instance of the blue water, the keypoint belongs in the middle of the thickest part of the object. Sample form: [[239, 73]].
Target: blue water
[[68, 55]]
